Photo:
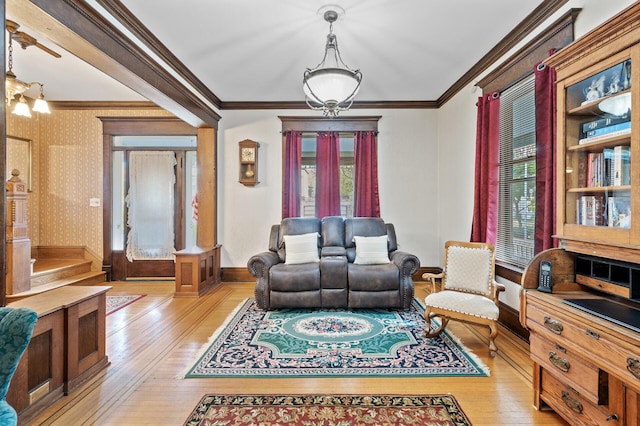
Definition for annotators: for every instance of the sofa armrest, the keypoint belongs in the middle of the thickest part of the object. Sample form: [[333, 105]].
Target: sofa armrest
[[260, 263], [408, 264]]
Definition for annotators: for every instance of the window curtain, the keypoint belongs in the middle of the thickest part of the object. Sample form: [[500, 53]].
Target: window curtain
[[150, 203], [292, 167], [327, 174], [367, 200], [487, 174], [545, 95]]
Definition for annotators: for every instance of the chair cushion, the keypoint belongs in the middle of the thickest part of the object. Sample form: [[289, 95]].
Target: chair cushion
[[371, 250], [468, 269], [464, 303], [301, 248]]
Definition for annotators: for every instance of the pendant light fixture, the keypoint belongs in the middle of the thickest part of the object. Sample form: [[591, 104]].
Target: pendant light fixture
[[331, 86]]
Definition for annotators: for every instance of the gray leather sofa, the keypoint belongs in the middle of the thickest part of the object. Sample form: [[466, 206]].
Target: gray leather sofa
[[334, 281]]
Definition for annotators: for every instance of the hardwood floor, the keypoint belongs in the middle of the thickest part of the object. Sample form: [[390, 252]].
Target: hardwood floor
[[152, 341]]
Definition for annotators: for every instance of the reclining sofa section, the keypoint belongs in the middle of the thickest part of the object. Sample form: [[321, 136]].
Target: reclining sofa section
[[355, 264]]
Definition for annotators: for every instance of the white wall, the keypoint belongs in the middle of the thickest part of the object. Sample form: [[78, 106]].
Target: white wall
[[426, 168], [407, 167]]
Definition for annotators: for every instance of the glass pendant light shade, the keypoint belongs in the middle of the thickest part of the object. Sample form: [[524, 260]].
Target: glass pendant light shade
[[22, 108], [40, 105], [330, 86]]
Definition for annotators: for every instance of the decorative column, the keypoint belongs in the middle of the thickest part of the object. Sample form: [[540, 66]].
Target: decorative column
[[18, 244]]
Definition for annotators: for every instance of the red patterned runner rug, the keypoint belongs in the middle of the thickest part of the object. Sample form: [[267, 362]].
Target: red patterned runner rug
[[328, 410]]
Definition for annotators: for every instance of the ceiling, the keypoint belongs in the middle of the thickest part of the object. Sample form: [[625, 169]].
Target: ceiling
[[256, 51]]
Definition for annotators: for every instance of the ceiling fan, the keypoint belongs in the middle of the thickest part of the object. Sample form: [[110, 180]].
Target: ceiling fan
[[25, 39]]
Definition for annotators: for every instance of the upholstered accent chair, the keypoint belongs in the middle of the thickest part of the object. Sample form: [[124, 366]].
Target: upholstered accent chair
[[16, 328], [468, 291]]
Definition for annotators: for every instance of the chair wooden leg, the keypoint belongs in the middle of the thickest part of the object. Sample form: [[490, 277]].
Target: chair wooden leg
[[443, 323], [492, 337]]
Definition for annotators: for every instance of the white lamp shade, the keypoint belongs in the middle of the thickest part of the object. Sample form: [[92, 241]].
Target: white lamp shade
[[22, 108], [330, 85], [40, 105]]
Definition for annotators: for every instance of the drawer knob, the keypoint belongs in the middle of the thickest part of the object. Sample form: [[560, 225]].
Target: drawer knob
[[553, 325], [633, 365], [571, 402], [559, 362]]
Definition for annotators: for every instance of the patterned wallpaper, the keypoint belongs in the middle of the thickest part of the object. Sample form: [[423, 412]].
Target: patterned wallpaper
[[67, 172]]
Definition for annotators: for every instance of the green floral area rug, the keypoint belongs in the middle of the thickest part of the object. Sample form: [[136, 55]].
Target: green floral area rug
[[334, 342], [334, 410]]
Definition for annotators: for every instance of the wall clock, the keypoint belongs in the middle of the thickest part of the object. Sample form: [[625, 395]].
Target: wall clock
[[248, 162]]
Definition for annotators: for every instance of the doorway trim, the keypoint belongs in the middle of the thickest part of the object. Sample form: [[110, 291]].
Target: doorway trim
[[128, 126]]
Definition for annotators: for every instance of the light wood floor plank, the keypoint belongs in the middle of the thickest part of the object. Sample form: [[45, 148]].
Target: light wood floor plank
[[152, 341]]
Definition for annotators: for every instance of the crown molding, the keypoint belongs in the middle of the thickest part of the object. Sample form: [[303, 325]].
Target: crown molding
[[61, 105]]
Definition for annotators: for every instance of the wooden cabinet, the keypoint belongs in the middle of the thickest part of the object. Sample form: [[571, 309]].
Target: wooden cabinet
[[598, 136], [585, 335], [197, 270], [67, 348], [586, 369]]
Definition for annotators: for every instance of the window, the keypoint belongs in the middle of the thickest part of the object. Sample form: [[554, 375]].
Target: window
[[356, 191], [517, 194], [308, 175]]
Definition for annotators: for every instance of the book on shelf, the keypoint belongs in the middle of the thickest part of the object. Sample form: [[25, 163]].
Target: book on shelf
[[582, 170], [607, 130], [619, 211], [621, 165], [598, 169], [604, 122], [590, 210], [597, 138]]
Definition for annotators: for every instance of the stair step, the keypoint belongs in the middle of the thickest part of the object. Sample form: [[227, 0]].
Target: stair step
[[85, 278], [45, 271]]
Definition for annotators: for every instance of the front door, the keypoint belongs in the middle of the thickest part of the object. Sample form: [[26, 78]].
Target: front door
[[153, 209]]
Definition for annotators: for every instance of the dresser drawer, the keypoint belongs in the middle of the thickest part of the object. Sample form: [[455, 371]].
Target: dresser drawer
[[572, 405], [584, 377], [590, 338]]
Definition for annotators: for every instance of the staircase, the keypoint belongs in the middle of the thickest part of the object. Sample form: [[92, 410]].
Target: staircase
[[50, 273]]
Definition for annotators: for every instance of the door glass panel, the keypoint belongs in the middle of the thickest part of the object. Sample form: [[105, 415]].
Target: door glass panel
[[117, 202]]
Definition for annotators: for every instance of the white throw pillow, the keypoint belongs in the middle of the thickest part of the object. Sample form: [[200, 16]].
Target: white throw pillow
[[301, 248], [371, 250]]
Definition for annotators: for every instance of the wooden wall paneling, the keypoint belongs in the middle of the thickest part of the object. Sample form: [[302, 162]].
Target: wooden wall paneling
[[207, 187]]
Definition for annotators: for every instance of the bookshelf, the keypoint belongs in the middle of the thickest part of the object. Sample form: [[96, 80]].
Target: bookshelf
[[598, 150]]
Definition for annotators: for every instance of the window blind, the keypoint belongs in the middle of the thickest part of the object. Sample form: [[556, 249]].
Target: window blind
[[517, 194]]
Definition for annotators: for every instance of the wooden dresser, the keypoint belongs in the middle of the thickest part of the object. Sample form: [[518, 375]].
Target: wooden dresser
[[586, 368]]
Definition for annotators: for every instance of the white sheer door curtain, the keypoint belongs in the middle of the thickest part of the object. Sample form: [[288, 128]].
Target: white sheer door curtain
[[150, 204]]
